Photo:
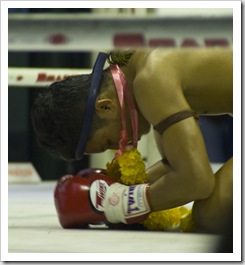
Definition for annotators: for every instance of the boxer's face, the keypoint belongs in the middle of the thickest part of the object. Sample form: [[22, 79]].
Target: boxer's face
[[108, 135], [105, 138]]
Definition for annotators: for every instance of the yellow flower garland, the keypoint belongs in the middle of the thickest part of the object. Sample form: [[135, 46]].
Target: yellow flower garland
[[129, 169]]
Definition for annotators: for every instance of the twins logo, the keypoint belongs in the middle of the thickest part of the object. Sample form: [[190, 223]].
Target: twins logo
[[132, 203], [97, 194]]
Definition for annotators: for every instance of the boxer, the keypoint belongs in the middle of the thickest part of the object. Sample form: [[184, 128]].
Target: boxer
[[170, 88]]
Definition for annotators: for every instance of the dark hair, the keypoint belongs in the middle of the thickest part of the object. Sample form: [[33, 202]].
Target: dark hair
[[120, 57], [58, 113]]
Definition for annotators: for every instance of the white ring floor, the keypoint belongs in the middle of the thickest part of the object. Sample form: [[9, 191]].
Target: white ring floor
[[34, 228]]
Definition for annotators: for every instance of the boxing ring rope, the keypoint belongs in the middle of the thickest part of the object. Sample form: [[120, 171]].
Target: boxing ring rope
[[40, 77]]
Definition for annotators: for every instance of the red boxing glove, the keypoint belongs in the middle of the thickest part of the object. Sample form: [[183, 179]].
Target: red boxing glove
[[79, 199]]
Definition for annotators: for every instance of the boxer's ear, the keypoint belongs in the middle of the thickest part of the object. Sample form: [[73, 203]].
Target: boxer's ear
[[106, 109]]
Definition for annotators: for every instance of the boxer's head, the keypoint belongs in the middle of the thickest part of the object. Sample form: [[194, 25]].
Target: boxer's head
[[58, 114]]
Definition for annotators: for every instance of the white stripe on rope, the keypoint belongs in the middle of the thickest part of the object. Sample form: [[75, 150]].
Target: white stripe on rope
[[40, 77]]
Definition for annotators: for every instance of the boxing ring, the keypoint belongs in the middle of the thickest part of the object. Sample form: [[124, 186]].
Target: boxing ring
[[34, 232], [33, 222], [33, 225]]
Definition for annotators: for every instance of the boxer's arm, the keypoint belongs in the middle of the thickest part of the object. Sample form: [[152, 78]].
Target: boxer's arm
[[190, 176], [157, 170], [159, 94]]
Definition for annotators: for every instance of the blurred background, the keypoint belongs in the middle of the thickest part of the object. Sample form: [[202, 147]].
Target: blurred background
[[69, 39]]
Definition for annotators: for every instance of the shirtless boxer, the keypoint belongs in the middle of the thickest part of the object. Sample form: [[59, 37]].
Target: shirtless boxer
[[165, 83]]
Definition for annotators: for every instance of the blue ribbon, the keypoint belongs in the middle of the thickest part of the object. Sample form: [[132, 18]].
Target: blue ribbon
[[89, 110]]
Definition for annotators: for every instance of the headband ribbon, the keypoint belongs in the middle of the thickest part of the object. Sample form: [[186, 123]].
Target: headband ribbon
[[123, 93], [89, 110]]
